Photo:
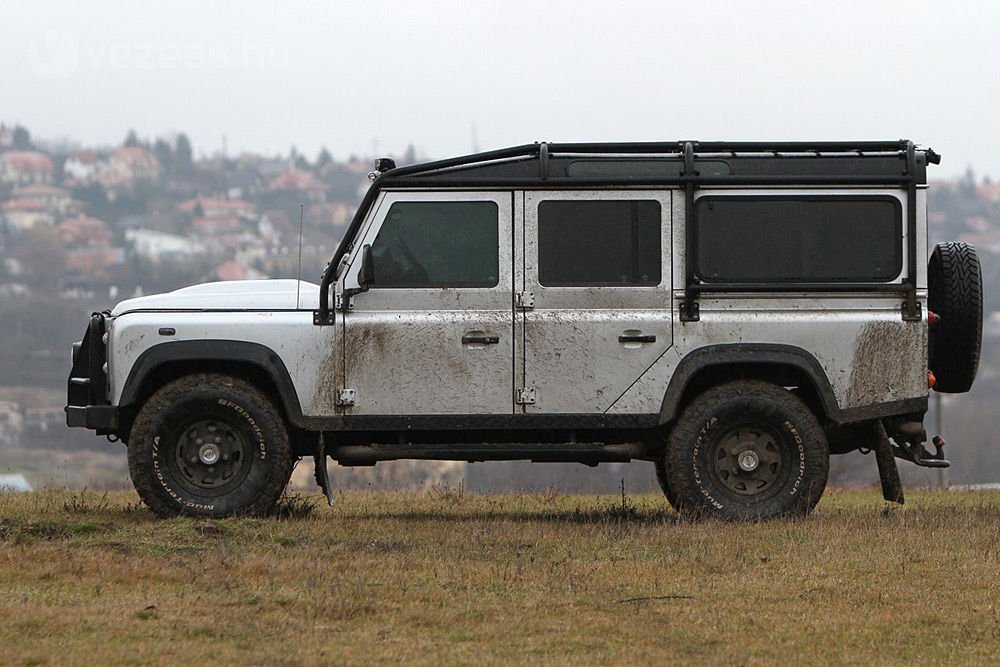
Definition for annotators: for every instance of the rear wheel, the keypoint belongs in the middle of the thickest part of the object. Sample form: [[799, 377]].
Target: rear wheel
[[664, 481], [746, 450], [955, 293], [209, 445]]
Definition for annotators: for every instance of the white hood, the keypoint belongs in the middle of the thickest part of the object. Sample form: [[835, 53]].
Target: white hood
[[230, 295]]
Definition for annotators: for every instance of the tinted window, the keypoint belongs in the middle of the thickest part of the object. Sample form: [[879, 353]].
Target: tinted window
[[598, 243], [790, 239], [438, 244]]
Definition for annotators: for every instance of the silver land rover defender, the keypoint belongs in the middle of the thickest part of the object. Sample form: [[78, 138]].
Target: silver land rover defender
[[732, 312]]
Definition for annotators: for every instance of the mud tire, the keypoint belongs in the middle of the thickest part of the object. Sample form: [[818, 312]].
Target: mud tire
[[793, 469], [955, 293], [664, 482], [230, 403]]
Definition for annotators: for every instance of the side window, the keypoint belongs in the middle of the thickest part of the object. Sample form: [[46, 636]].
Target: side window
[[438, 244], [599, 243], [798, 239]]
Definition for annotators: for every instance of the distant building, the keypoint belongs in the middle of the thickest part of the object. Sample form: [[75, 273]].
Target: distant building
[[57, 200], [300, 180], [25, 168], [88, 249], [83, 231], [127, 165], [157, 247], [81, 166], [216, 225], [208, 207], [24, 214]]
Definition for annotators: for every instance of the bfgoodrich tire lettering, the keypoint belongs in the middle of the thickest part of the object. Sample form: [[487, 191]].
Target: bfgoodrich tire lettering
[[746, 450], [209, 445]]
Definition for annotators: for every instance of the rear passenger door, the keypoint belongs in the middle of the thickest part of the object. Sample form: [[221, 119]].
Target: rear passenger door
[[593, 294]]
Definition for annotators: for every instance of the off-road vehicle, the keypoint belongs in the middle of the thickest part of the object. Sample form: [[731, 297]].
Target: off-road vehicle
[[732, 312]]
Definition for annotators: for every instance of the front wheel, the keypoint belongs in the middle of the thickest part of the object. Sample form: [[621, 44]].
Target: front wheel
[[746, 451], [209, 445]]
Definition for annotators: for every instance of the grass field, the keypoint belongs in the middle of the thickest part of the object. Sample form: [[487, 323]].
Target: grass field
[[446, 577]]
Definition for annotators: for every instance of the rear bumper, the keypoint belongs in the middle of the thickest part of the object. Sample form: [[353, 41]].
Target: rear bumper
[[96, 417], [87, 403]]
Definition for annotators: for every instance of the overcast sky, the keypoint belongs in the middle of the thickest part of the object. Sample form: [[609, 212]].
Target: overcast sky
[[380, 75]]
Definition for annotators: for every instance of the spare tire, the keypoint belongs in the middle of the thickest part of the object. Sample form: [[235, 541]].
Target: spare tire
[[955, 294]]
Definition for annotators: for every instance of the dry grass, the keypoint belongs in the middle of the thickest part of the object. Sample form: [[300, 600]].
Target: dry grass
[[452, 578]]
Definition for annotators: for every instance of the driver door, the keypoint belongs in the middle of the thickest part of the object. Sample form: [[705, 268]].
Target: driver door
[[434, 333]]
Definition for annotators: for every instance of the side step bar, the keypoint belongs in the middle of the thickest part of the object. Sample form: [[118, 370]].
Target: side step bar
[[586, 453]]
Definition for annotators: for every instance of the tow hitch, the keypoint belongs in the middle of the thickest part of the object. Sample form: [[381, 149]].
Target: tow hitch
[[915, 452]]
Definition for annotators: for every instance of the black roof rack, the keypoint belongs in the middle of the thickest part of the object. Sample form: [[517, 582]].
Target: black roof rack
[[687, 164], [744, 162]]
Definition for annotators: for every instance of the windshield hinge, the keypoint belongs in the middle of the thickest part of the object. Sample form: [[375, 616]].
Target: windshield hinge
[[525, 300]]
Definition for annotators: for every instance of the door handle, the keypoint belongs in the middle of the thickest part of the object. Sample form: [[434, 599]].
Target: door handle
[[481, 340], [637, 338]]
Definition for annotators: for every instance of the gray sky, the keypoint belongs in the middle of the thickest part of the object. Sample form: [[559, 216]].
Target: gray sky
[[348, 75]]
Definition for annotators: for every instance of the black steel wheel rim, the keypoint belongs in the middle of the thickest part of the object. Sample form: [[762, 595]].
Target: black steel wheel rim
[[749, 462], [211, 457]]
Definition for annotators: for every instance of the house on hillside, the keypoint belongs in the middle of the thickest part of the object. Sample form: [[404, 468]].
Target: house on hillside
[[24, 214], [159, 247], [126, 165], [89, 252], [57, 200], [209, 207], [81, 166], [217, 225], [25, 168], [302, 181]]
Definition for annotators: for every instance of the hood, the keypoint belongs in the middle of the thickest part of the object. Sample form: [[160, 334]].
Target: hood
[[229, 295]]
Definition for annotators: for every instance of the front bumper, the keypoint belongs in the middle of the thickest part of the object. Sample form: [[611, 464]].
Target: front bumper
[[87, 404]]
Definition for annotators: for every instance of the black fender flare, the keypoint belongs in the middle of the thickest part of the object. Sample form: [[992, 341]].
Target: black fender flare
[[759, 354], [207, 351]]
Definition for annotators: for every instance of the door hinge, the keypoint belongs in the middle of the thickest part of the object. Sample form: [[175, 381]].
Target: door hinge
[[343, 302], [911, 307], [689, 310], [345, 397], [525, 300], [526, 396]]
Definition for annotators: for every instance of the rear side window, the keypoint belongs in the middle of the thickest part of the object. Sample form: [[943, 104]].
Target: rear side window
[[599, 243], [798, 239], [438, 244]]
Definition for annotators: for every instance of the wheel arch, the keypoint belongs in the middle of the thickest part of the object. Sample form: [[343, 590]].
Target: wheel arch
[[784, 365], [253, 362]]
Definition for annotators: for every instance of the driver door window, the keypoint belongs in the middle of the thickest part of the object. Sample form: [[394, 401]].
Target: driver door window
[[438, 244]]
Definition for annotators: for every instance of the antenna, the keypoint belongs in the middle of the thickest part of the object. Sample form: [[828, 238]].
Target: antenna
[[298, 279]]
